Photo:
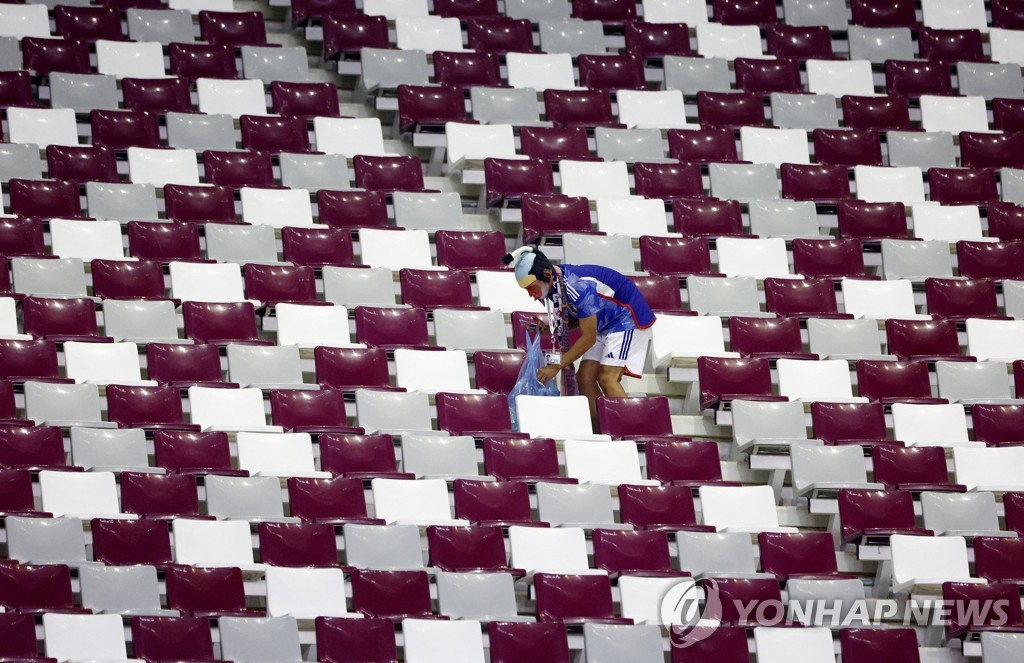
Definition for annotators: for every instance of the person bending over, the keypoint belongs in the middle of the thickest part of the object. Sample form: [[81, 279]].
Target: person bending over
[[613, 317]]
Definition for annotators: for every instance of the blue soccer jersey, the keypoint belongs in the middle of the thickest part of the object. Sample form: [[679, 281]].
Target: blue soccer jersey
[[613, 298]]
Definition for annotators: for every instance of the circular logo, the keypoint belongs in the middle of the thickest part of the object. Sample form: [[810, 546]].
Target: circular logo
[[681, 613]]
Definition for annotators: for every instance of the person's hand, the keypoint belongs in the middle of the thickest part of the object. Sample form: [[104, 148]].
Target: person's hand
[[548, 373]]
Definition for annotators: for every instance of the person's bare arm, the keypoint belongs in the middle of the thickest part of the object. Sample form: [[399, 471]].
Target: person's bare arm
[[588, 336]]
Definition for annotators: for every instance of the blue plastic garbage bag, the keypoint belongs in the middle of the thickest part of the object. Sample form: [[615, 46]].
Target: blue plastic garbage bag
[[527, 384]]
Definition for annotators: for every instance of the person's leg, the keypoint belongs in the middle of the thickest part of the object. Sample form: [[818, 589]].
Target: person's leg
[[586, 379], [610, 380]]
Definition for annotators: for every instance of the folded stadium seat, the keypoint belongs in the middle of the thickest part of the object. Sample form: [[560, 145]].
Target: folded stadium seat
[[610, 463], [642, 553], [49, 277], [229, 409], [744, 182], [152, 408], [83, 92], [915, 78], [653, 41], [707, 217], [79, 494], [303, 100], [388, 174], [492, 503], [850, 423], [1006, 45], [801, 111], [221, 544], [20, 639], [78, 164], [54, 402], [391, 547], [20, 162], [207, 592], [730, 110], [541, 71], [332, 501], [913, 468], [961, 186], [870, 517], [799, 42], [26, 21], [984, 150], [44, 198], [433, 455], [479, 415], [997, 558], [470, 329], [466, 9], [988, 469], [109, 450], [773, 338], [890, 382], [233, 97], [808, 381], [997, 424], [872, 13], [872, 221], [579, 108], [128, 542], [498, 35], [630, 145], [158, 95], [428, 33], [392, 594], [351, 368], [818, 183], [120, 130], [747, 508], [99, 636], [273, 63], [946, 15], [668, 180], [554, 144], [161, 167], [393, 411], [390, 328], [844, 147], [474, 548], [961, 594], [508, 180], [192, 282], [302, 411], [774, 146], [183, 365], [553, 215], [277, 455], [274, 134], [345, 34], [566, 505], [163, 242], [428, 211], [923, 149], [352, 209], [828, 258], [463, 70], [612, 72], [429, 638], [750, 256], [31, 447], [985, 79], [277, 284], [757, 591], [44, 56], [306, 593], [61, 319], [371, 638], [273, 367], [724, 379], [122, 589], [251, 499], [160, 495], [959, 299], [779, 644], [201, 131], [86, 240], [789, 556], [953, 113], [942, 425], [885, 113], [484, 596], [384, 69], [880, 300], [428, 108], [968, 514], [165, 26], [575, 599], [505, 105], [764, 76], [950, 45], [675, 256], [238, 169], [728, 41], [156, 638], [194, 61], [987, 339], [497, 371], [44, 540], [947, 224], [132, 59], [317, 246], [572, 36], [233, 28]]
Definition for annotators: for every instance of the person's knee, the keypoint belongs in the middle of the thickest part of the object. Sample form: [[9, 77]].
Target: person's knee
[[587, 374], [609, 377]]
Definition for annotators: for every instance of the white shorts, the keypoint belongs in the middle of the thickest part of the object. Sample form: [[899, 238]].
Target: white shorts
[[626, 348]]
